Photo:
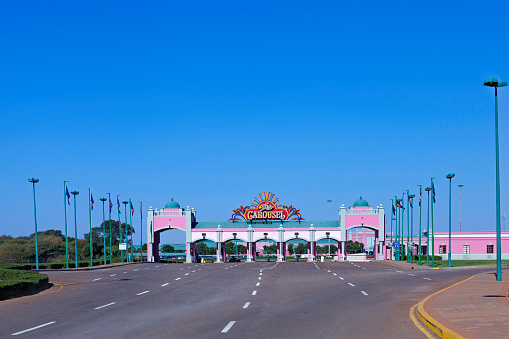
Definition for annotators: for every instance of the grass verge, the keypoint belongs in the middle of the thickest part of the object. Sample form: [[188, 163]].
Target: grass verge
[[17, 283]]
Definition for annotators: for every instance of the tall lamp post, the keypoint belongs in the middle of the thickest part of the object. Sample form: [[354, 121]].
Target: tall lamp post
[[420, 221], [120, 229], [432, 228], [66, 196], [141, 232], [126, 250], [450, 176], [90, 208], [75, 193], [104, 232], [460, 186], [411, 232], [427, 189], [35, 181], [329, 201], [493, 82], [396, 252], [131, 243]]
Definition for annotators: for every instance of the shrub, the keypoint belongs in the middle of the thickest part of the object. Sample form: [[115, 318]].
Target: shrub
[[15, 283]]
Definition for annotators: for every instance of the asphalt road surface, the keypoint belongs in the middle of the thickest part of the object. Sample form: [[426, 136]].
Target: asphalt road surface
[[254, 300]]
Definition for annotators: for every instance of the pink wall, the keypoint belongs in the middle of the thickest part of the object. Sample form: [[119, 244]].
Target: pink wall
[[173, 221], [357, 219]]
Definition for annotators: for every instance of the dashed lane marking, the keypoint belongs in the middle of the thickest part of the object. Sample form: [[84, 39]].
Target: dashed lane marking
[[246, 305], [103, 306], [34, 328], [334, 273], [112, 275], [413, 275], [364, 293], [165, 284], [186, 274], [259, 278], [254, 293], [178, 279], [257, 284], [227, 328], [341, 278], [399, 271], [96, 279], [426, 278], [351, 284], [143, 292]]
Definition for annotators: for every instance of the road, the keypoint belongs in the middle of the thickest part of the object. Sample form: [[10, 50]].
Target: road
[[256, 300]]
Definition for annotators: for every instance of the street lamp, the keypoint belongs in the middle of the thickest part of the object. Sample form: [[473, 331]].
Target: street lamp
[[427, 189], [493, 82], [75, 193], [35, 181], [411, 232], [104, 232], [432, 228], [460, 186], [329, 201], [450, 176]]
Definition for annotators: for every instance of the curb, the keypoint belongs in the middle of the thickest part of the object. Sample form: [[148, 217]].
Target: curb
[[441, 330], [102, 267]]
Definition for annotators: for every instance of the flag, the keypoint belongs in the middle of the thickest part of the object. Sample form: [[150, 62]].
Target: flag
[[111, 205], [420, 196], [132, 208], [410, 202], [68, 195], [393, 209], [118, 205], [433, 190], [91, 201]]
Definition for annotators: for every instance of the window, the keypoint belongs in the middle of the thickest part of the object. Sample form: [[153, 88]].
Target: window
[[466, 249], [489, 249], [442, 249]]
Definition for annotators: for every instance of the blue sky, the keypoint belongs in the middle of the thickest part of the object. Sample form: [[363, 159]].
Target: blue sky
[[212, 103]]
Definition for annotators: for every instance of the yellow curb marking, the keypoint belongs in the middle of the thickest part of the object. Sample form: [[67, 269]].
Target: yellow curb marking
[[433, 324], [418, 324]]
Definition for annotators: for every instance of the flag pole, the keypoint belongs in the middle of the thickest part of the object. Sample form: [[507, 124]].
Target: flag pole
[[90, 218], [109, 209], [66, 240], [120, 230], [420, 219], [104, 233], [432, 230]]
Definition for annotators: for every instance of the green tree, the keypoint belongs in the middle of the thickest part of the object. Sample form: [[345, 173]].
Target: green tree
[[270, 249], [301, 249], [167, 248], [290, 248]]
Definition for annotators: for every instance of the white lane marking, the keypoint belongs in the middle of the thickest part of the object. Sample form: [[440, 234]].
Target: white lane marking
[[261, 273], [136, 270], [413, 275], [351, 284], [142, 292], [426, 278], [399, 271], [194, 271], [157, 266], [186, 274], [364, 293], [165, 264], [259, 278], [34, 328], [341, 278], [257, 284], [177, 279], [328, 271], [165, 284], [147, 268], [226, 268], [113, 303], [227, 328], [96, 279], [254, 293], [195, 265], [364, 268], [181, 269], [261, 270], [124, 272], [334, 273], [246, 305], [112, 275]]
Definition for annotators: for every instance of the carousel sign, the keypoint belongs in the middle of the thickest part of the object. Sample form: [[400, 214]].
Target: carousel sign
[[266, 207]]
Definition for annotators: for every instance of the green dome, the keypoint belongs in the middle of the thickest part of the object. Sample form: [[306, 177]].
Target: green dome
[[361, 203], [172, 204]]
